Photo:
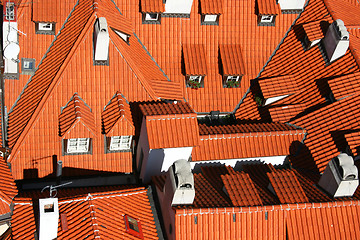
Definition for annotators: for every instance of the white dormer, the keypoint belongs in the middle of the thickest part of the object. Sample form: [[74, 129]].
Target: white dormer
[[336, 40], [340, 178], [291, 5], [178, 6], [101, 41], [49, 218]]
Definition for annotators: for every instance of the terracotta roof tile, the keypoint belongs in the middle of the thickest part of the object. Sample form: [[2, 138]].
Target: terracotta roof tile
[[346, 85], [232, 59], [97, 214], [344, 10], [278, 86], [353, 140], [117, 118], [241, 190], [49, 11], [76, 120], [211, 6], [287, 187], [268, 7], [314, 30], [152, 6], [170, 131], [162, 108], [7, 184], [195, 59]]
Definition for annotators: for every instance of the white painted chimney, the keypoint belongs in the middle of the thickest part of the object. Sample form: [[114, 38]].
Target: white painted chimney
[[49, 218], [178, 6], [11, 47], [101, 40], [180, 183], [289, 5], [340, 178], [336, 40]]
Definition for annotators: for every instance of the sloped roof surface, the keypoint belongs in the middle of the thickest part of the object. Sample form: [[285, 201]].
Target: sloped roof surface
[[211, 6], [232, 59], [152, 6], [76, 120], [268, 7], [95, 215], [48, 11], [163, 108], [195, 59], [117, 119], [278, 86], [314, 30], [353, 140], [345, 85]]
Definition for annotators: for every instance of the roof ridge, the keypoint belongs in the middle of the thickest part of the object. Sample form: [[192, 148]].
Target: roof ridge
[[32, 113], [92, 210], [252, 134]]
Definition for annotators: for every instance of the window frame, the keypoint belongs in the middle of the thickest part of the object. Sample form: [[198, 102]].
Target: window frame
[[132, 231], [40, 29], [27, 71], [66, 146], [198, 79], [205, 21], [121, 139], [147, 19], [263, 22]]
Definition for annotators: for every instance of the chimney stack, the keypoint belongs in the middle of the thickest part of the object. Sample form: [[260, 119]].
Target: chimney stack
[[49, 218], [101, 41], [336, 40]]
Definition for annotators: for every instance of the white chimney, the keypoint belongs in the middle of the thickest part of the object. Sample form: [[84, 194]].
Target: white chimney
[[289, 5], [180, 183], [11, 47], [336, 40], [49, 218], [101, 40], [178, 6], [340, 178]]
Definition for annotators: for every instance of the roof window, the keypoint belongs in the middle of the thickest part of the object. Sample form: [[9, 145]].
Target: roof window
[[210, 19], [266, 20], [119, 143], [45, 28], [151, 18], [195, 82], [27, 66], [133, 227], [233, 67], [195, 65], [232, 81]]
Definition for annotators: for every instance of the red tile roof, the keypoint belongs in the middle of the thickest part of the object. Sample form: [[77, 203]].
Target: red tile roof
[[241, 190], [211, 6], [346, 85], [353, 140], [268, 7], [8, 188], [232, 59], [278, 86], [116, 118], [152, 6], [287, 187], [95, 215], [245, 141], [47, 11], [195, 59], [163, 108], [314, 30], [76, 120]]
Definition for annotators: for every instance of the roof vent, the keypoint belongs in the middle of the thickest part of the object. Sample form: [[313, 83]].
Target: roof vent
[[181, 181], [49, 218], [101, 42], [336, 40], [340, 178]]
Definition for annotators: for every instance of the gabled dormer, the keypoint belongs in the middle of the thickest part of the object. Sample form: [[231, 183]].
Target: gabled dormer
[[117, 125], [211, 11], [151, 11], [267, 12], [195, 65], [233, 68], [76, 127]]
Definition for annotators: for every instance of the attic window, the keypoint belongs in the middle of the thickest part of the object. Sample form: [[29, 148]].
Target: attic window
[[232, 81], [45, 28], [133, 227], [10, 11], [77, 145], [151, 18], [266, 20], [27, 66], [195, 82], [209, 19], [119, 143]]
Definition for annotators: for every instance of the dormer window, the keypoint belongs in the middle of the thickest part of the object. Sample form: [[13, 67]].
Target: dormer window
[[232, 81], [266, 20], [195, 82], [77, 145], [10, 11], [209, 19], [151, 18], [27, 66], [45, 28], [119, 143], [133, 227]]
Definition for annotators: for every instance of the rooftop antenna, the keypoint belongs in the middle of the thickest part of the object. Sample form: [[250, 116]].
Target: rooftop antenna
[[54, 188]]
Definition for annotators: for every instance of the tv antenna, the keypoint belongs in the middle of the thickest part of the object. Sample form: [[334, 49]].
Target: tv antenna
[[53, 189]]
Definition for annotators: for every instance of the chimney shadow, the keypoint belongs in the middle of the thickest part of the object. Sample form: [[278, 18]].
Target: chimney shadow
[[300, 157]]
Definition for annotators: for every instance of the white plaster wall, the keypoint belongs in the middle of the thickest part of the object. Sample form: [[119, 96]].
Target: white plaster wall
[[143, 145], [291, 4], [178, 6]]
